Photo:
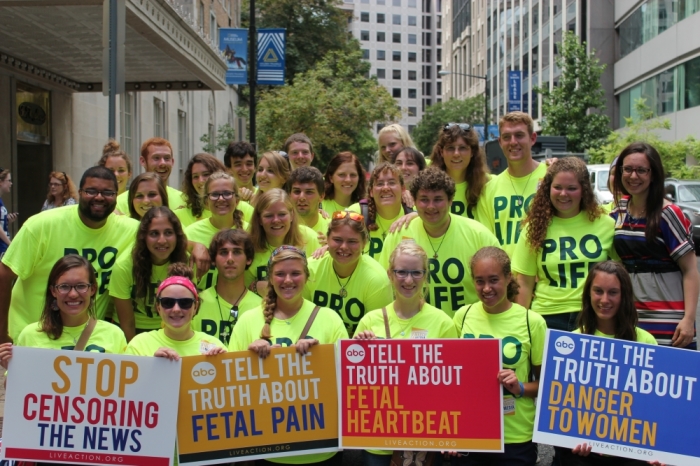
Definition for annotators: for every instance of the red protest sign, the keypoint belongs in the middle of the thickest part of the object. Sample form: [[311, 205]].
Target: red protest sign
[[421, 395]]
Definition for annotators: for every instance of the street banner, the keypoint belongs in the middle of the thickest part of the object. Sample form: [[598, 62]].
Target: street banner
[[237, 406], [624, 398], [515, 91], [233, 43], [90, 408], [421, 395], [271, 56]]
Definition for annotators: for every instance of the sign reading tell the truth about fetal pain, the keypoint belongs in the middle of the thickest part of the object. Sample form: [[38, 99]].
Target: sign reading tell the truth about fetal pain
[[89, 408], [421, 395]]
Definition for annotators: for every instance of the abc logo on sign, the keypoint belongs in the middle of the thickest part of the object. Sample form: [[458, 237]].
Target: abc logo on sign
[[355, 353], [203, 373], [564, 345]]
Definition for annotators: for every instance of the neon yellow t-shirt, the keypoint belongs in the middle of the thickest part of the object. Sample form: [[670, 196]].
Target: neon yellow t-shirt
[[451, 285], [367, 288], [122, 286], [247, 210], [571, 247], [322, 225], [105, 338], [505, 201], [214, 315], [517, 350], [330, 206], [430, 322], [146, 344], [258, 268], [46, 237], [187, 218], [175, 200], [376, 238], [642, 336]]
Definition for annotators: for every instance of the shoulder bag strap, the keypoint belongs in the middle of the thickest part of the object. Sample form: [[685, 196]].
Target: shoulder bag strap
[[464, 318], [364, 210], [309, 322], [85, 335], [386, 324], [530, 375]]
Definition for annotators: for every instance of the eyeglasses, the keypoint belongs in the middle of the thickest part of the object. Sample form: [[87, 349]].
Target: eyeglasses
[[93, 193], [65, 288], [415, 274], [345, 213], [227, 195], [169, 303], [462, 126], [627, 170]]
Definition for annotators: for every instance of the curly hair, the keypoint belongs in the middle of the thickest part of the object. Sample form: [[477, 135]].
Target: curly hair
[[541, 212], [269, 302], [303, 175], [400, 133], [379, 170], [626, 316], [192, 198], [69, 190], [409, 247], [334, 164], [51, 320], [237, 214], [257, 232], [141, 256], [147, 176], [433, 179], [502, 259], [476, 174]]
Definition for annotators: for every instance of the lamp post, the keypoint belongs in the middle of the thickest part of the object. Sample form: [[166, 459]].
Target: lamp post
[[486, 96]]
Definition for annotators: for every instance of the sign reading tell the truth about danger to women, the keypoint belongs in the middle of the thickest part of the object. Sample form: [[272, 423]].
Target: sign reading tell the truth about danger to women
[[624, 398], [421, 395], [90, 408], [238, 406]]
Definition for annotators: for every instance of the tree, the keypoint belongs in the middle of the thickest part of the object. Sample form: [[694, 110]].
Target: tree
[[224, 136], [573, 108], [426, 132], [335, 104], [642, 128]]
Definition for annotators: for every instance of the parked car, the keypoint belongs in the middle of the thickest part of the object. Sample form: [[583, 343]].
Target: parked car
[[686, 195], [599, 182]]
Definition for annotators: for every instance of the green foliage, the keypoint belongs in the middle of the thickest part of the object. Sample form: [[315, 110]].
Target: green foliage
[[224, 136], [574, 107], [334, 104], [426, 132], [642, 128]]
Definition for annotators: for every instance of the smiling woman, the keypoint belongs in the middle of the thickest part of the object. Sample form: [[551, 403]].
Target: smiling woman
[[61, 191], [200, 167], [345, 182], [145, 192]]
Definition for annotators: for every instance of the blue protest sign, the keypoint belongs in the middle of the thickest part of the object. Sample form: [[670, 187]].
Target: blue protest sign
[[624, 398], [271, 50], [233, 44], [514, 91]]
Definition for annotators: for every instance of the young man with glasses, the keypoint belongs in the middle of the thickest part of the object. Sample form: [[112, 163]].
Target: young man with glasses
[[231, 252], [87, 229], [449, 240]]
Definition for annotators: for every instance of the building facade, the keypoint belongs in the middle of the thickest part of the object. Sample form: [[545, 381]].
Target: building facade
[[402, 41]]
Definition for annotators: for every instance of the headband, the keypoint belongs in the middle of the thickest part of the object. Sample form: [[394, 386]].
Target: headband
[[176, 280]]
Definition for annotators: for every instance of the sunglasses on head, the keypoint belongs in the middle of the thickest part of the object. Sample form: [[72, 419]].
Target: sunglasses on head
[[462, 126], [169, 303], [345, 213]]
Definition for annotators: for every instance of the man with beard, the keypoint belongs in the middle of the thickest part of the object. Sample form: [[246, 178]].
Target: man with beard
[[87, 229]]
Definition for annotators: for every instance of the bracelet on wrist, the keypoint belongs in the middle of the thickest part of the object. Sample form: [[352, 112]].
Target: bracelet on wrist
[[522, 391]]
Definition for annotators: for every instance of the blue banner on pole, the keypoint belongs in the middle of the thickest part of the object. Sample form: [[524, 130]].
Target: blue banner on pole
[[493, 132], [623, 398], [515, 91], [271, 50], [233, 44]]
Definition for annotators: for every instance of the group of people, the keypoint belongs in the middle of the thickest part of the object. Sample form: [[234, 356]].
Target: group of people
[[259, 252]]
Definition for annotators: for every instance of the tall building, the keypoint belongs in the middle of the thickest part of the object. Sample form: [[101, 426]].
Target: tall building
[[55, 114], [402, 41], [493, 37]]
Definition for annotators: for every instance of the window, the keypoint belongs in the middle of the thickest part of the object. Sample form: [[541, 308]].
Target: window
[[159, 118], [381, 2], [127, 122], [412, 93], [381, 55], [182, 151], [411, 38], [381, 36], [396, 55], [412, 57], [396, 2], [364, 35], [427, 72], [201, 15], [364, 17], [396, 37], [439, 87], [427, 38], [426, 22], [411, 128], [412, 111], [213, 30], [365, 54], [396, 92], [412, 75], [428, 88], [396, 19], [438, 55], [381, 73], [396, 74], [380, 18], [412, 3], [427, 55], [412, 21]]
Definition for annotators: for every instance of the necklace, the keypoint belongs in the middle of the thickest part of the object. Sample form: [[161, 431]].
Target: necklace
[[343, 293], [233, 314], [290, 320], [75, 339], [519, 197], [631, 218], [435, 251], [379, 224]]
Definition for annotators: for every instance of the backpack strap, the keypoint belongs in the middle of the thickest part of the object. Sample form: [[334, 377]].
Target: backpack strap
[[309, 322], [406, 209], [364, 210], [386, 324], [85, 335], [465, 317], [530, 375]]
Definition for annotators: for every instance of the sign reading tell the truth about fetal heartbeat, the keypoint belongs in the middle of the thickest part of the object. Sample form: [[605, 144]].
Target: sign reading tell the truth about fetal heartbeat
[[89, 408], [421, 395]]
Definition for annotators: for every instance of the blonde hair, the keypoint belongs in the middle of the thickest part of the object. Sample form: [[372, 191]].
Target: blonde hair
[[409, 247], [517, 117], [237, 214], [400, 133], [257, 232], [280, 167]]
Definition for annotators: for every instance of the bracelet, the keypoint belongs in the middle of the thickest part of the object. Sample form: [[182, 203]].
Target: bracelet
[[522, 390], [254, 287]]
